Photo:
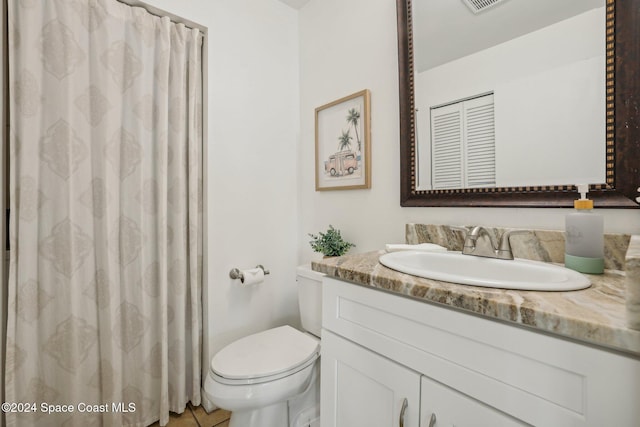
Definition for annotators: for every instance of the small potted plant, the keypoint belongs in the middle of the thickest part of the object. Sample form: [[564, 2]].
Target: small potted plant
[[330, 243]]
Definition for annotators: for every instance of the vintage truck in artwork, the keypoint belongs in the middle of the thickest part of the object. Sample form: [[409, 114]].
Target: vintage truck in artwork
[[341, 163]]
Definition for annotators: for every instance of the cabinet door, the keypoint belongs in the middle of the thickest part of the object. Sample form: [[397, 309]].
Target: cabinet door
[[363, 389], [442, 406]]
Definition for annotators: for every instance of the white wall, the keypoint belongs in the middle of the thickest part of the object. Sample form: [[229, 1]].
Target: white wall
[[348, 45], [552, 124], [252, 152], [547, 100]]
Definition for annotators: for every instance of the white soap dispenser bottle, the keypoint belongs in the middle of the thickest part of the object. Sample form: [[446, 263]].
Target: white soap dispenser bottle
[[584, 245]]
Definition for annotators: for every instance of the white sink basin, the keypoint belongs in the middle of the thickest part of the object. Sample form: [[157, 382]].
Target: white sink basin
[[454, 267]]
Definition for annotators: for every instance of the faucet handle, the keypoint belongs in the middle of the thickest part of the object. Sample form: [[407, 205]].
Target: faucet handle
[[510, 233], [466, 232], [504, 248]]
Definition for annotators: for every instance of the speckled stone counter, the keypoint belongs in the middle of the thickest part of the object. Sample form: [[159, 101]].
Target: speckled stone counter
[[598, 315], [632, 271]]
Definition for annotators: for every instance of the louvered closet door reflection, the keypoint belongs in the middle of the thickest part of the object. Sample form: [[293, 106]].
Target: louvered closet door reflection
[[480, 137], [446, 146], [463, 144]]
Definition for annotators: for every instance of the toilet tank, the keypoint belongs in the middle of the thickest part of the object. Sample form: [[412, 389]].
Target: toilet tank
[[310, 298]]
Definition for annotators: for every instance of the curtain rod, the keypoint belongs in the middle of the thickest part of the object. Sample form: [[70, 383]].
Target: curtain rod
[[162, 13]]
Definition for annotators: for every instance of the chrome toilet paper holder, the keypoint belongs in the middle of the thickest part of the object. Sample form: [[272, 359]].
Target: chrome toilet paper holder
[[236, 273]]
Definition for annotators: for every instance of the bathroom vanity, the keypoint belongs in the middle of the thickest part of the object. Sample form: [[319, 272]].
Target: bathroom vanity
[[399, 350]]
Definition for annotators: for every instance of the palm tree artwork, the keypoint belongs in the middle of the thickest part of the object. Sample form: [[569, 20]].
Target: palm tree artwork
[[353, 118], [344, 141]]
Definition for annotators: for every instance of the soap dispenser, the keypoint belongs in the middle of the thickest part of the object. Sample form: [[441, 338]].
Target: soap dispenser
[[584, 246]]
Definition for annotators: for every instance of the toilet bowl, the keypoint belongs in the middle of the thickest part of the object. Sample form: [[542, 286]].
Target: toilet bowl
[[271, 378]]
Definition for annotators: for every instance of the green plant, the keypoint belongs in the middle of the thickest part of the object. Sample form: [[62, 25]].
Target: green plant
[[330, 243]]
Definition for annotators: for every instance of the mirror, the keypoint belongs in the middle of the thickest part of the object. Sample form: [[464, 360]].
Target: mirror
[[613, 157], [493, 100]]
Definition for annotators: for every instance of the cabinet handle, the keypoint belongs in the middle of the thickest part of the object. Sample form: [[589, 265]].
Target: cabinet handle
[[405, 403], [432, 420]]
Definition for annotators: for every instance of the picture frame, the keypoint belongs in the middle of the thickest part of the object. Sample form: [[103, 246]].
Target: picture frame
[[343, 143]]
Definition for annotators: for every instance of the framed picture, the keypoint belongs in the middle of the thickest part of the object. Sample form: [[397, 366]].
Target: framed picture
[[343, 146]]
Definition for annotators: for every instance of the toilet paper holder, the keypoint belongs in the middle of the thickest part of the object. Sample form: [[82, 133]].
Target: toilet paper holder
[[236, 273]]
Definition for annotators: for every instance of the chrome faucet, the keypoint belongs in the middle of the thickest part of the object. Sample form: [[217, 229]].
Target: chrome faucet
[[500, 249]]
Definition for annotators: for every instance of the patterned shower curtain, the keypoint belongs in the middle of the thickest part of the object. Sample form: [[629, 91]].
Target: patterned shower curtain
[[105, 284]]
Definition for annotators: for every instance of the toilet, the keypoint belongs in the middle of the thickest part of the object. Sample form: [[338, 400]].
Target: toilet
[[272, 378]]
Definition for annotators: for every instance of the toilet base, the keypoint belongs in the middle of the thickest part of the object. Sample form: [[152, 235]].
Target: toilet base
[[269, 416], [283, 400]]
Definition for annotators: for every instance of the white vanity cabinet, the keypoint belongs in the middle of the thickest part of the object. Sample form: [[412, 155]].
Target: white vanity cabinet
[[364, 389], [449, 407], [379, 349]]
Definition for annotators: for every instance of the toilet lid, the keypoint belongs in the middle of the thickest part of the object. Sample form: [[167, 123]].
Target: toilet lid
[[264, 354]]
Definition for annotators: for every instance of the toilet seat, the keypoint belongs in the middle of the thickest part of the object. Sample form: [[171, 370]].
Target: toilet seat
[[266, 356]]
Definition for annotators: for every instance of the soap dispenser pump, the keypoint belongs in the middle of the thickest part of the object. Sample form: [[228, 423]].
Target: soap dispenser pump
[[584, 245]]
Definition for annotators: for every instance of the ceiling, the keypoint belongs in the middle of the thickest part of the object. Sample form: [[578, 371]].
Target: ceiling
[[445, 30], [296, 4]]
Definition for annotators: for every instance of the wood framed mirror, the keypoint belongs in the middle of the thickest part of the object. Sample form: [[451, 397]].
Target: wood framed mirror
[[622, 122]]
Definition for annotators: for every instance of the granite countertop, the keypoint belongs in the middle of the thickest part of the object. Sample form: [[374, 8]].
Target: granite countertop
[[596, 315]]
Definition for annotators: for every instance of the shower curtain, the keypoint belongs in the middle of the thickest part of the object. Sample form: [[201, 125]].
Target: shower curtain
[[105, 285]]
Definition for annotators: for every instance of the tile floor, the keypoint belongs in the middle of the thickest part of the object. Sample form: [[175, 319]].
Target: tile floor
[[198, 417]]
